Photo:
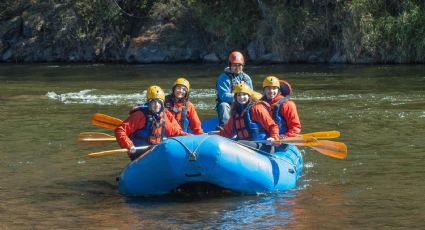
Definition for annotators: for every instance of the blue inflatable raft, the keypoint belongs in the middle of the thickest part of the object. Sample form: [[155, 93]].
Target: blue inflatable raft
[[212, 160]]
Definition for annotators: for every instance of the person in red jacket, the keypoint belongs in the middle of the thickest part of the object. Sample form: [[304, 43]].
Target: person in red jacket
[[147, 124], [250, 120], [283, 110], [182, 109]]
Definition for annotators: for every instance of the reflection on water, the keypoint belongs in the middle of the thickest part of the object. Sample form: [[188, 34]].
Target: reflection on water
[[47, 182]]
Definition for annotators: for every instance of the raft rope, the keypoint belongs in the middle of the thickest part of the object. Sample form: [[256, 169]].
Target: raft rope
[[192, 156]]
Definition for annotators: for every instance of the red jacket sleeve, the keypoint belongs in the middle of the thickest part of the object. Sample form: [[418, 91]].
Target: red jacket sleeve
[[172, 127], [135, 121], [289, 112], [227, 130], [194, 122], [261, 115]]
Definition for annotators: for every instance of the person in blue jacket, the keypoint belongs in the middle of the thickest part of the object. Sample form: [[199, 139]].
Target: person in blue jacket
[[226, 82]]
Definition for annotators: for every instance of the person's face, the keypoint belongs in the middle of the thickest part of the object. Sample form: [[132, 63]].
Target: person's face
[[242, 98], [236, 68], [180, 91], [155, 105], [271, 91]]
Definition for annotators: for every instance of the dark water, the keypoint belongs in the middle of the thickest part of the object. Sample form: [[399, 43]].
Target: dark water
[[47, 182]]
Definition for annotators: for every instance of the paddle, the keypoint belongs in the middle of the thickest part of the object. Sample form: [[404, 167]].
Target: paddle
[[110, 152], [105, 121], [329, 148], [300, 141]]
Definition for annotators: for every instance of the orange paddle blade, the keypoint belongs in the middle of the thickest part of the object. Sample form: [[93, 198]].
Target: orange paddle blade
[[300, 140], [323, 134], [105, 121], [332, 149]]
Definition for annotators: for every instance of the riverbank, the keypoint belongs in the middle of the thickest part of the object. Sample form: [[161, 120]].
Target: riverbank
[[348, 32]]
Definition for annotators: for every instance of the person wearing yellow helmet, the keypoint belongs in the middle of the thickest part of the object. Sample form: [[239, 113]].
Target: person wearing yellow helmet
[[182, 109], [147, 124], [226, 82], [250, 119], [283, 110]]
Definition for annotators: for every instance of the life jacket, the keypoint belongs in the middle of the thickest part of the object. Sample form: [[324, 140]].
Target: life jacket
[[153, 132], [183, 121], [277, 117], [246, 128]]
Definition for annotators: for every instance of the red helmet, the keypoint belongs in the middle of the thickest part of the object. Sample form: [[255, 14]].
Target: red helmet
[[236, 57]]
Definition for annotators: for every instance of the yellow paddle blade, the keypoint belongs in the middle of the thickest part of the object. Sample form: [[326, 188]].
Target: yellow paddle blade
[[105, 121], [323, 134], [300, 140], [332, 149]]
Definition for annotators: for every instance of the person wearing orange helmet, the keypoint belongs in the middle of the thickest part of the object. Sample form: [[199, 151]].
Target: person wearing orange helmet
[[147, 124], [283, 110], [226, 82], [250, 120], [182, 109]]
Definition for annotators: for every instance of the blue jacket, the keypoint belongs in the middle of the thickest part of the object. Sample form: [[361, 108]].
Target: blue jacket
[[227, 81]]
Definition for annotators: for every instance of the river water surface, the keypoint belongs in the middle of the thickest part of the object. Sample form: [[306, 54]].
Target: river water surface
[[47, 182]]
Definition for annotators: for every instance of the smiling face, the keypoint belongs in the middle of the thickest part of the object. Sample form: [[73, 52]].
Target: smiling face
[[155, 105], [236, 68], [271, 92], [180, 91], [242, 98]]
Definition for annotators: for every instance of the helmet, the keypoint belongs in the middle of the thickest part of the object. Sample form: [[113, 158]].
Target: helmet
[[285, 88], [182, 81], [236, 57], [243, 88], [271, 81], [155, 92]]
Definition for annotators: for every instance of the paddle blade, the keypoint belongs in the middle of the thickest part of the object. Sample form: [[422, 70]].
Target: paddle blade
[[332, 149], [105, 121], [324, 134]]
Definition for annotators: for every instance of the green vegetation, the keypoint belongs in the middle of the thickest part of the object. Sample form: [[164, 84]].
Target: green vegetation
[[388, 31]]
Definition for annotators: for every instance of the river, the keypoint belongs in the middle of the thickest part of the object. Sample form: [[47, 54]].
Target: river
[[47, 182]]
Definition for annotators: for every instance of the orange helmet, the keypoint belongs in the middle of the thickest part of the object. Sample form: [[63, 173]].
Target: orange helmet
[[236, 57]]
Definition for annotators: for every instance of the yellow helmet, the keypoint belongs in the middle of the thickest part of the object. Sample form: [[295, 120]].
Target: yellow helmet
[[182, 81], [271, 81], [155, 92], [242, 88]]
